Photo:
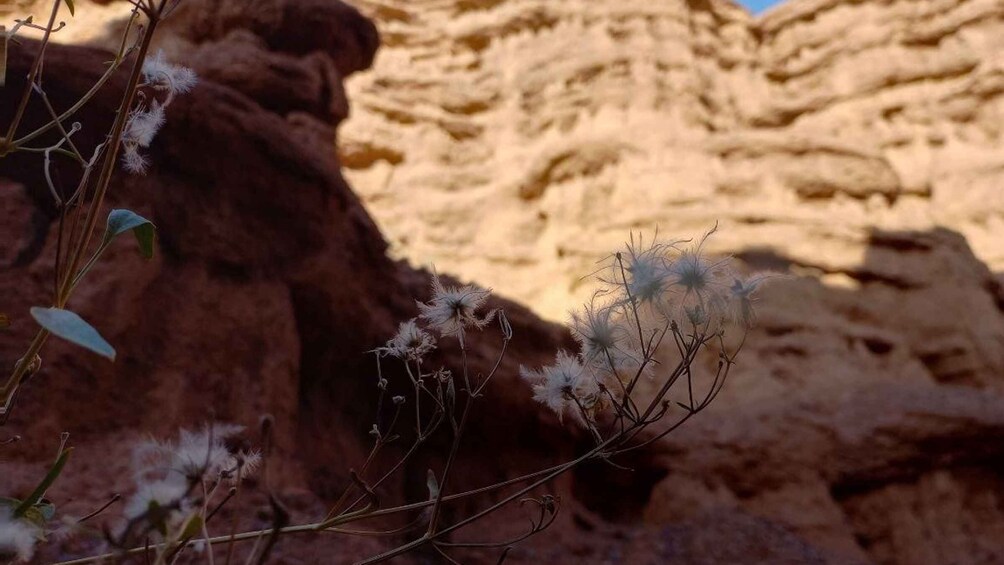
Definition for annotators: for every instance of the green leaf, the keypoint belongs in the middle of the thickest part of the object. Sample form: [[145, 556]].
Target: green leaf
[[69, 4], [72, 328], [37, 494], [192, 528], [121, 221], [157, 516]]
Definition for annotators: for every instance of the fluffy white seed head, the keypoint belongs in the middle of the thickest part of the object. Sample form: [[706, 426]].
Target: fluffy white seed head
[[196, 456], [565, 386], [410, 342], [168, 473], [144, 122], [241, 465], [174, 79], [140, 129], [652, 289], [599, 331], [132, 160], [143, 125], [168, 494], [700, 285], [203, 453], [741, 298], [17, 538], [452, 309], [647, 271]]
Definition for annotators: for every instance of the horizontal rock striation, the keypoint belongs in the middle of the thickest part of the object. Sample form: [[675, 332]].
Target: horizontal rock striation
[[547, 129]]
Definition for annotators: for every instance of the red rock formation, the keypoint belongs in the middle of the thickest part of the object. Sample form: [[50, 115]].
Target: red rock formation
[[269, 284]]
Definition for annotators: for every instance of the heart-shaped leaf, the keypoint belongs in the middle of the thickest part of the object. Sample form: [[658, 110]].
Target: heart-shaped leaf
[[72, 328], [121, 221]]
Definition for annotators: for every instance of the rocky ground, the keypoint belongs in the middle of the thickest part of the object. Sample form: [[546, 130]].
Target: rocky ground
[[515, 143]]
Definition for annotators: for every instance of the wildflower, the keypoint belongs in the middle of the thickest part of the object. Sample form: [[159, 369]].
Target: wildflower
[[17, 537], [161, 75], [564, 385], [410, 342], [452, 309]]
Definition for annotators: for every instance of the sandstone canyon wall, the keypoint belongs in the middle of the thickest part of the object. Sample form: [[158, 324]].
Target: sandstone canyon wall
[[515, 142]]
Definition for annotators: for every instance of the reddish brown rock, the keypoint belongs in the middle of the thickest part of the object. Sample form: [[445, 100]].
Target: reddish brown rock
[[269, 285]]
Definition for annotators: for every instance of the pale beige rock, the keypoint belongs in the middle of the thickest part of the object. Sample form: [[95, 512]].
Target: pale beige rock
[[515, 142]]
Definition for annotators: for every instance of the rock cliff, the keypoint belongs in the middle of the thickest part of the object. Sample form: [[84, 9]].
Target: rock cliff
[[515, 142], [546, 129]]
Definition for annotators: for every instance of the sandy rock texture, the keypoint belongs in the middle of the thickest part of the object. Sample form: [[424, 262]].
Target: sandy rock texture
[[515, 142]]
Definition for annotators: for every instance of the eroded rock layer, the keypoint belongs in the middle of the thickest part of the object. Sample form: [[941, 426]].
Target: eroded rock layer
[[515, 142]]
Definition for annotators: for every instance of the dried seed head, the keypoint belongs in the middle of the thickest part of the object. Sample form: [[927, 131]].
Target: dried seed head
[[410, 342], [452, 309], [563, 386]]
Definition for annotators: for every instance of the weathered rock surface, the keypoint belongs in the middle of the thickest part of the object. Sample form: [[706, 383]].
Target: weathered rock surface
[[269, 285], [515, 143]]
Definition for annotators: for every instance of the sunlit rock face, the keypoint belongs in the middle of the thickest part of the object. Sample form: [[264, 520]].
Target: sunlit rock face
[[515, 142]]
